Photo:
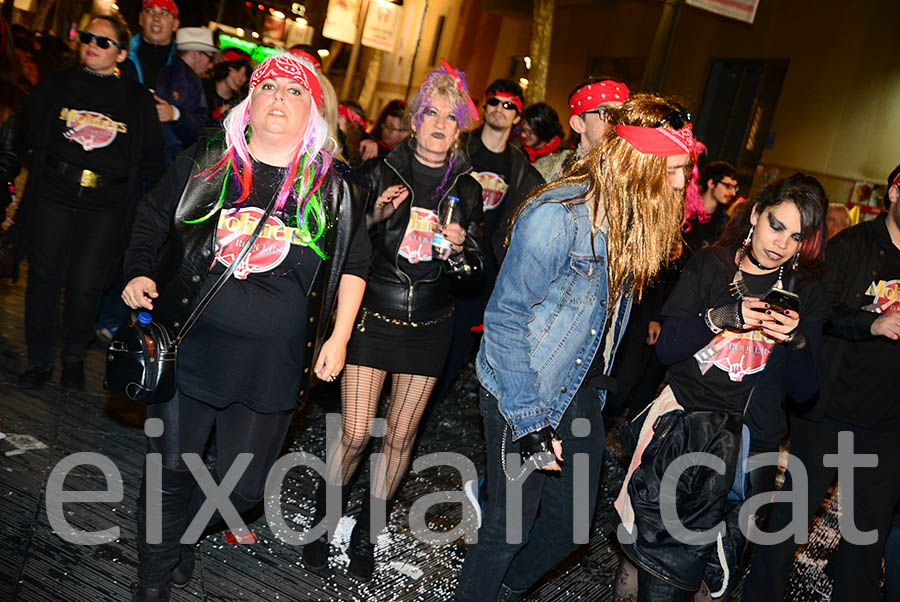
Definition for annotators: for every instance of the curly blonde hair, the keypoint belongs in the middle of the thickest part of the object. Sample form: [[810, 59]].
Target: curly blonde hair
[[629, 193], [440, 82]]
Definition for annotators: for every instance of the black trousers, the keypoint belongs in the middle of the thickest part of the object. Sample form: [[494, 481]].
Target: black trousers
[[187, 426], [856, 569], [75, 251]]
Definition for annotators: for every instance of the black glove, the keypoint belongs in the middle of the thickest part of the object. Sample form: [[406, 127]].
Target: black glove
[[725, 316], [536, 446]]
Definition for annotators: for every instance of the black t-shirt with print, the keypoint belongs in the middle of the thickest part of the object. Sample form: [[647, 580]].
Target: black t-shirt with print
[[248, 345], [869, 367], [493, 172], [721, 375], [91, 129], [417, 259]]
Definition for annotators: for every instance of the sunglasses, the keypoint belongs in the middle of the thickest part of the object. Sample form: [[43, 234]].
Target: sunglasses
[[678, 118], [493, 102], [85, 37]]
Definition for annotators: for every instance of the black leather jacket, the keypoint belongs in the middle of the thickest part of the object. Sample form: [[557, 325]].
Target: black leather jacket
[[389, 287], [177, 255], [12, 151]]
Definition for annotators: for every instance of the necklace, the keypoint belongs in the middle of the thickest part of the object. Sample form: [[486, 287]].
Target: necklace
[[754, 261], [739, 288], [95, 74]]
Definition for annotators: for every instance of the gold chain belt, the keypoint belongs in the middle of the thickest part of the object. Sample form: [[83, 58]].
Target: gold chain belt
[[361, 325]]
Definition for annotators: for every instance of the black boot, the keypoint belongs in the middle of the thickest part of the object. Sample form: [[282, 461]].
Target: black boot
[[362, 549], [315, 553], [181, 574], [157, 561], [72, 376], [35, 377]]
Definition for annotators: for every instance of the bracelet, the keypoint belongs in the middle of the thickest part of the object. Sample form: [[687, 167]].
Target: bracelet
[[709, 323]]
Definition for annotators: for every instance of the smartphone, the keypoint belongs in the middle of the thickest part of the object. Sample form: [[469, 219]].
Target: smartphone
[[781, 300]]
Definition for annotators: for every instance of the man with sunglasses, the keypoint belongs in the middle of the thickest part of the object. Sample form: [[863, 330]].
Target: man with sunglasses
[[718, 187], [195, 47], [506, 177], [152, 61]]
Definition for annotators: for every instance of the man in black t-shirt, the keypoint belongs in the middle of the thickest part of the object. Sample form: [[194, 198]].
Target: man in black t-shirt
[[506, 177], [860, 396]]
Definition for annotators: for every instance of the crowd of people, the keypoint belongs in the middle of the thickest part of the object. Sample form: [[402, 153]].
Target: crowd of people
[[610, 273]]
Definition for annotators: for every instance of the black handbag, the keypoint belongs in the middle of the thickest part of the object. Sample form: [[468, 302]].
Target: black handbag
[[140, 360]]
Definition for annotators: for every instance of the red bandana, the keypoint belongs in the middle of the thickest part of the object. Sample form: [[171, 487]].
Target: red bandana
[[546, 148], [291, 68], [591, 96], [302, 54], [506, 96], [351, 115], [230, 55], [473, 111], [168, 5], [661, 142], [896, 181]]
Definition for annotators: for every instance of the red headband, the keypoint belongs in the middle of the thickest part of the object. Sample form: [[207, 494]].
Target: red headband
[[661, 142], [168, 5], [302, 54], [291, 68], [506, 96], [473, 110], [591, 96], [230, 55], [351, 115], [896, 181]]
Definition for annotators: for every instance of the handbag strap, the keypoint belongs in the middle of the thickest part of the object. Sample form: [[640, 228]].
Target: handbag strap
[[217, 286]]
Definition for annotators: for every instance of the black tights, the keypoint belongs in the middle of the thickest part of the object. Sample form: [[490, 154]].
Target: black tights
[[360, 390]]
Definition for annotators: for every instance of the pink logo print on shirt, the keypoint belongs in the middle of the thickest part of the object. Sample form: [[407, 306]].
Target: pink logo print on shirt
[[493, 187], [234, 230], [737, 353], [886, 297], [89, 129], [416, 243]]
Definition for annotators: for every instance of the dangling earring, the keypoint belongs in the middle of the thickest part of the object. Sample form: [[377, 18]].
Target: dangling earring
[[796, 261], [749, 238]]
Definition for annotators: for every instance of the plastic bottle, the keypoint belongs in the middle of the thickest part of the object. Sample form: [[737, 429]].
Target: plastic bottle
[[442, 245], [144, 319]]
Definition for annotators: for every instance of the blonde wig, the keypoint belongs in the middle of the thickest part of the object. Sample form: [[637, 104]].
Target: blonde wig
[[629, 195]]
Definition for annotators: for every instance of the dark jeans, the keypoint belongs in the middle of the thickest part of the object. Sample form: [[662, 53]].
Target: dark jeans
[[188, 423], [546, 537], [76, 251], [856, 569]]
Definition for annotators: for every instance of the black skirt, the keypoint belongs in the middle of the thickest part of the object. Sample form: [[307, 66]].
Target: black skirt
[[399, 346]]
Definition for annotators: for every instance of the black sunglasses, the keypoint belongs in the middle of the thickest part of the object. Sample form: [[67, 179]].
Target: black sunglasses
[[103, 42], [678, 118], [493, 102]]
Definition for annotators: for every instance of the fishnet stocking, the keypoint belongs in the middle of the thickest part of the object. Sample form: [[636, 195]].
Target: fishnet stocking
[[360, 390], [626, 581]]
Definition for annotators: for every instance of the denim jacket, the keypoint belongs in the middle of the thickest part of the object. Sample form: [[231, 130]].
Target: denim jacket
[[546, 317]]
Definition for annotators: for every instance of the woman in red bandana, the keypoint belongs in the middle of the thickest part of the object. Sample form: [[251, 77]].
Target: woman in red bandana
[[248, 357], [405, 324]]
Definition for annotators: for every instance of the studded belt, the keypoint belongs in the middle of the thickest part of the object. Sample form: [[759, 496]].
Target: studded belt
[[361, 325]]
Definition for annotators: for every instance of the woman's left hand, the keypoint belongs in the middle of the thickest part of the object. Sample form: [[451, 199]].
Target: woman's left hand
[[331, 359], [456, 235], [780, 326]]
